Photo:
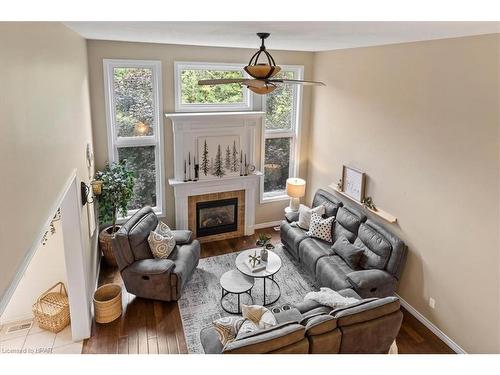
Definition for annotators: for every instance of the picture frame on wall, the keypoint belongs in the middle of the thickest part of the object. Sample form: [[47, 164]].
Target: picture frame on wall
[[353, 183]]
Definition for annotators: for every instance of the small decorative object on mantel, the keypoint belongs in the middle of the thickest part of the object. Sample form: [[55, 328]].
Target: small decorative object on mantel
[[218, 157], [339, 184], [189, 166], [353, 183], [196, 170], [368, 203], [185, 171]]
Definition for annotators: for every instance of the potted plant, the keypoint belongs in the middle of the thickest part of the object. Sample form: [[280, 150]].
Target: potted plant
[[117, 189]]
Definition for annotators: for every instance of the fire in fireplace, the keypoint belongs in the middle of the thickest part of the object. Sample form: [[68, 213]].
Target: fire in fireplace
[[215, 217]]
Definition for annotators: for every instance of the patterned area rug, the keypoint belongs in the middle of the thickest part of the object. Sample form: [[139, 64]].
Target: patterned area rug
[[200, 302]]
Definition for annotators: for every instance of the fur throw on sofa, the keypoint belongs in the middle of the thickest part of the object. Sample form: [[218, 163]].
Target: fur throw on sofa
[[330, 298]]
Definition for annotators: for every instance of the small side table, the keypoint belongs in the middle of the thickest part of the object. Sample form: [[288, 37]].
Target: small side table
[[234, 282]]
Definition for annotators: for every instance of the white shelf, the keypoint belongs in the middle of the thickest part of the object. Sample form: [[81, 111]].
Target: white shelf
[[380, 213]]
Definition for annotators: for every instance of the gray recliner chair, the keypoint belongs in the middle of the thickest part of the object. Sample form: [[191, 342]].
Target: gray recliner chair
[[142, 274]]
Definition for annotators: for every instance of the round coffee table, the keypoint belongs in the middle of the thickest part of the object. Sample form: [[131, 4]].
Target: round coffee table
[[272, 267], [234, 282]]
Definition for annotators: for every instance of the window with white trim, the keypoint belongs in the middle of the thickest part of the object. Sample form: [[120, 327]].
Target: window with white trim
[[191, 97], [133, 116], [280, 149]]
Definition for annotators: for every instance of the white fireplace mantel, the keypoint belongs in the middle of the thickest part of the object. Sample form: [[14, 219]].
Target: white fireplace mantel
[[187, 129]]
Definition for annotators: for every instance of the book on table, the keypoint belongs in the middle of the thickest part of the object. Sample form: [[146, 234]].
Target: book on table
[[258, 266]]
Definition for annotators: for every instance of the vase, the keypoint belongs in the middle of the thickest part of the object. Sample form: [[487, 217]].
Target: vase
[[263, 254]]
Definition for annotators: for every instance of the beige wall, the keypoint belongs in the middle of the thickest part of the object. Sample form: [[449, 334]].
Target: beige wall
[[167, 54], [45, 125], [422, 120]]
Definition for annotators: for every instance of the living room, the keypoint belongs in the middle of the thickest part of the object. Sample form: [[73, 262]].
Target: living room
[[250, 187]]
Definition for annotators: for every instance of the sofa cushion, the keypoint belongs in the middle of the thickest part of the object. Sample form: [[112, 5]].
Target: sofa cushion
[[350, 254], [397, 259], [331, 272], [311, 250], [347, 223], [305, 213], [368, 310], [321, 228], [331, 203], [376, 249], [182, 237], [186, 258], [292, 216], [152, 266], [291, 236]]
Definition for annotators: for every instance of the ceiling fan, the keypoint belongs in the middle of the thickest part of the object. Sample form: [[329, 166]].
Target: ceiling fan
[[262, 73]]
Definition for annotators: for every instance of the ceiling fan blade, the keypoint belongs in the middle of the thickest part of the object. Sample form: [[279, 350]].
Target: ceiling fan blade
[[298, 82], [258, 83], [223, 81]]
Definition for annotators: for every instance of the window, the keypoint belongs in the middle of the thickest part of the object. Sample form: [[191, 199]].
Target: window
[[189, 96], [280, 136], [133, 97]]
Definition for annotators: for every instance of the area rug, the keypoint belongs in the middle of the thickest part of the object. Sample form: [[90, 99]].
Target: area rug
[[200, 303]]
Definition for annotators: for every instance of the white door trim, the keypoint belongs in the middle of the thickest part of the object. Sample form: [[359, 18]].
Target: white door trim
[[79, 301]]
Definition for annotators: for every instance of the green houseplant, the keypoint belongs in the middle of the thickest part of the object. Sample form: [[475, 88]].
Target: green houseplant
[[117, 189]]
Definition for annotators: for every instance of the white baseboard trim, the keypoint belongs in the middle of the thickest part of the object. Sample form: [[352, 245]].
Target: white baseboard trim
[[267, 225], [426, 322]]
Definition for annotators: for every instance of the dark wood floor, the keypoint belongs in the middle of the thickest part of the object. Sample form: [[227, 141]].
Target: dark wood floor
[[155, 327]]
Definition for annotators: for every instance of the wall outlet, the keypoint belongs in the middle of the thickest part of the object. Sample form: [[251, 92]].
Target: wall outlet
[[432, 302]]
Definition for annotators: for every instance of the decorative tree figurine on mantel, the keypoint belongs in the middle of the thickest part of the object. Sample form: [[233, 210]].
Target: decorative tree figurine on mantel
[[218, 165], [205, 167]]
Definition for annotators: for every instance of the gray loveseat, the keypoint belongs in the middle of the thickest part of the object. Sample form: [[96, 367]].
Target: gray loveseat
[[368, 326], [142, 274], [382, 260]]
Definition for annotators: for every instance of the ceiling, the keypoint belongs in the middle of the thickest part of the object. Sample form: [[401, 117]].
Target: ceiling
[[298, 36]]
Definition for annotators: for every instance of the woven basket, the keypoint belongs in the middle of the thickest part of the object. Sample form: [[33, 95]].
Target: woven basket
[[108, 303], [106, 245], [51, 310]]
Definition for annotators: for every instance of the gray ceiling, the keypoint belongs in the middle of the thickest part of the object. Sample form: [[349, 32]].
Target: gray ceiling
[[299, 36]]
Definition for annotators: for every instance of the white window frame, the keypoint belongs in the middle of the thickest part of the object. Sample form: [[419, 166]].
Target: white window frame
[[179, 66], [115, 142], [293, 133]]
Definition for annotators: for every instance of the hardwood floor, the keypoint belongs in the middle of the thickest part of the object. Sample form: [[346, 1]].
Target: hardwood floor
[[154, 327]]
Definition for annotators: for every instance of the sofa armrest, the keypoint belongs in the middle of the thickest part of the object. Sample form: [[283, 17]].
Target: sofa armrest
[[292, 216], [152, 266], [182, 237], [367, 279]]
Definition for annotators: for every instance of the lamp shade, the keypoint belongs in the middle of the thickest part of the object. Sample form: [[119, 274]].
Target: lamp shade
[[295, 187]]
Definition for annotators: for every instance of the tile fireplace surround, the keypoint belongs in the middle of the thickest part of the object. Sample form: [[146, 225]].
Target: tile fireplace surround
[[188, 128]]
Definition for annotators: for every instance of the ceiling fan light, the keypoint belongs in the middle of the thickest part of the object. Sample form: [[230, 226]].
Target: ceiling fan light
[[262, 71], [262, 90]]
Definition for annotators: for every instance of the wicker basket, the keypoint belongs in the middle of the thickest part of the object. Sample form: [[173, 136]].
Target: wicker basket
[[108, 303], [51, 310], [106, 245]]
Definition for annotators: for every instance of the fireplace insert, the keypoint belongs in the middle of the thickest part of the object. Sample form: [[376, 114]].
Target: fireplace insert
[[215, 217]]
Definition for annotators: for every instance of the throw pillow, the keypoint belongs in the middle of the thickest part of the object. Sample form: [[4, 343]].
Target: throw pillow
[[321, 228], [305, 215], [348, 252], [227, 328], [161, 241], [260, 315], [248, 326]]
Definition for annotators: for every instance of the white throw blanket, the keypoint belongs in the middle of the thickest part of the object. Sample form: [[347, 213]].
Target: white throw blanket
[[330, 298]]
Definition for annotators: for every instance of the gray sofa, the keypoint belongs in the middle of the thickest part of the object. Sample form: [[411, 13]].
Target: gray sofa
[[142, 274], [382, 260], [366, 327]]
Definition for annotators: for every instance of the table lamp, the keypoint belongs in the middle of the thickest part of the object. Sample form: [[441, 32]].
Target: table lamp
[[295, 189]]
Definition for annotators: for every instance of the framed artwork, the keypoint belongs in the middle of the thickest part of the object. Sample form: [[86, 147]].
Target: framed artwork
[[353, 183], [219, 157]]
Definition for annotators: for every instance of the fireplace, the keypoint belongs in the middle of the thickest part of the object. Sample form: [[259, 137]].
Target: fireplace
[[216, 216]]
